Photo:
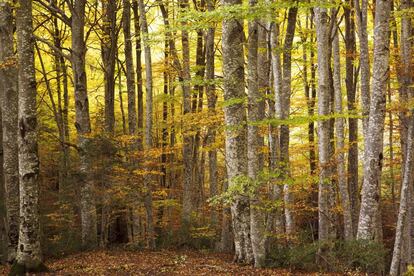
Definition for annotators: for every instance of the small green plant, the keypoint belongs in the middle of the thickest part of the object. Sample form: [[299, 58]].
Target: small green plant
[[338, 256]]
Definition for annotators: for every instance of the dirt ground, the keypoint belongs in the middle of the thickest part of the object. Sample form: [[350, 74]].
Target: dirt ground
[[118, 262]]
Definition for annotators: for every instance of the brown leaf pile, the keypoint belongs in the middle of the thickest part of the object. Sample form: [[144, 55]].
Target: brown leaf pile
[[119, 262]]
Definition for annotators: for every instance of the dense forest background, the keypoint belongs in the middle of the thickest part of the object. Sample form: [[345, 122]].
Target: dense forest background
[[278, 131]]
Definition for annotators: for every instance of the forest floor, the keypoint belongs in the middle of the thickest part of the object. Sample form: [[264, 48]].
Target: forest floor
[[119, 262]]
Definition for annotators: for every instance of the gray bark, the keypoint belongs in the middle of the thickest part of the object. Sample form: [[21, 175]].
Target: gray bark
[[277, 192], [361, 15], [255, 143], [29, 254], [148, 178], [9, 102], [403, 241], [83, 125], [398, 267], [368, 217], [235, 121], [284, 109], [340, 144], [323, 36]]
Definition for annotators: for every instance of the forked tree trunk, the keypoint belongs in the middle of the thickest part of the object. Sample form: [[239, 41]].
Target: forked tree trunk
[[368, 217], [235, 120]]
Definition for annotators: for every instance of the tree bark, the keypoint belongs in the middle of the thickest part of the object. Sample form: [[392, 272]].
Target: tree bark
[[83, 125], [109, 50], [131, 98], [374, 141], [211, 103], [129, 66], [255, 143], [148, 178], [323, 44], [404, 221], [277, 192], [350, 82], [283, 110], [9, 102], [188, 193], [235, 121], [29, 254], [361, 15], [340, 144]]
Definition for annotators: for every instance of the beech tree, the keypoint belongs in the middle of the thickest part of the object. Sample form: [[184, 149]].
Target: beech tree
[[235, 119], [373, 155], [29, 254], [9, 102]]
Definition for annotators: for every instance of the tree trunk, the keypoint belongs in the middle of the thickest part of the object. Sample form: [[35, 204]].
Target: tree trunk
[[235, 120], [277, 192], [374, 141], [211, 103], [255, 144], [129, 66], [131, 98], [324, 56], [9, 102], [283, 110], [29, 254], [148, 178], [350, 82], [340, 145], [83, 126], [361, 15], [398, 267], [109, 49], [188, 193], [121, 99]]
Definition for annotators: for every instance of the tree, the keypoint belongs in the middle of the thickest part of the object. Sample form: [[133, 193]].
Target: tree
[[368, 217], [283, 110], [340, 144], [29, 255], [235, 121], [148, 125], [129, 64], [255, 143], [83, 124], [324, 56], [9, 102], [109, 50]]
